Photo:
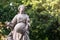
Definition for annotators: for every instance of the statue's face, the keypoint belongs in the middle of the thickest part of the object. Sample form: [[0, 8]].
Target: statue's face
[[21, 9]]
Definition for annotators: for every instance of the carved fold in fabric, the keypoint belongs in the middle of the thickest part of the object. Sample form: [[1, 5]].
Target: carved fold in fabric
[[20, 25]]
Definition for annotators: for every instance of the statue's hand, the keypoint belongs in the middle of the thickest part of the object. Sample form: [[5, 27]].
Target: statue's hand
[[7, 23], [7, 27]]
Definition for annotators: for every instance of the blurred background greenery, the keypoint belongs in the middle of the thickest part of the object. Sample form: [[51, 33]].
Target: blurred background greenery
[[44, 17]]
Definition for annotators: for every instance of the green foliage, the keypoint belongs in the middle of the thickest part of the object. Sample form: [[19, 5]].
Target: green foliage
[[44, 17]]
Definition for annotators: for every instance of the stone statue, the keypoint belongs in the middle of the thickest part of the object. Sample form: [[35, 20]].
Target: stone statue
[[19, 25]]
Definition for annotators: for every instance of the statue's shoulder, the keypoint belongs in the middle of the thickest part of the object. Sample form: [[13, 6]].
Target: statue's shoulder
[[27, 15], [16, 16]]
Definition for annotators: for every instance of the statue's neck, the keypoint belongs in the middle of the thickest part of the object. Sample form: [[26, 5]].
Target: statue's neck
[[21, 12]]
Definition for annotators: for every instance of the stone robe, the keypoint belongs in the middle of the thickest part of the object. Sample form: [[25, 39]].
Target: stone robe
[[20, 27]]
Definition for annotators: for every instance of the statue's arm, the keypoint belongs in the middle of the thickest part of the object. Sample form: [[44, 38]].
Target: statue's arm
[[12, 23], [28, 23]]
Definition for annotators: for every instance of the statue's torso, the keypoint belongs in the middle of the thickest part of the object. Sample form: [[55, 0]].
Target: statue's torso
[[21, 18]]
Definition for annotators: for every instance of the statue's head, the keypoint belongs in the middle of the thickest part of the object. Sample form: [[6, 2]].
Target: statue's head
[[21, 8]]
